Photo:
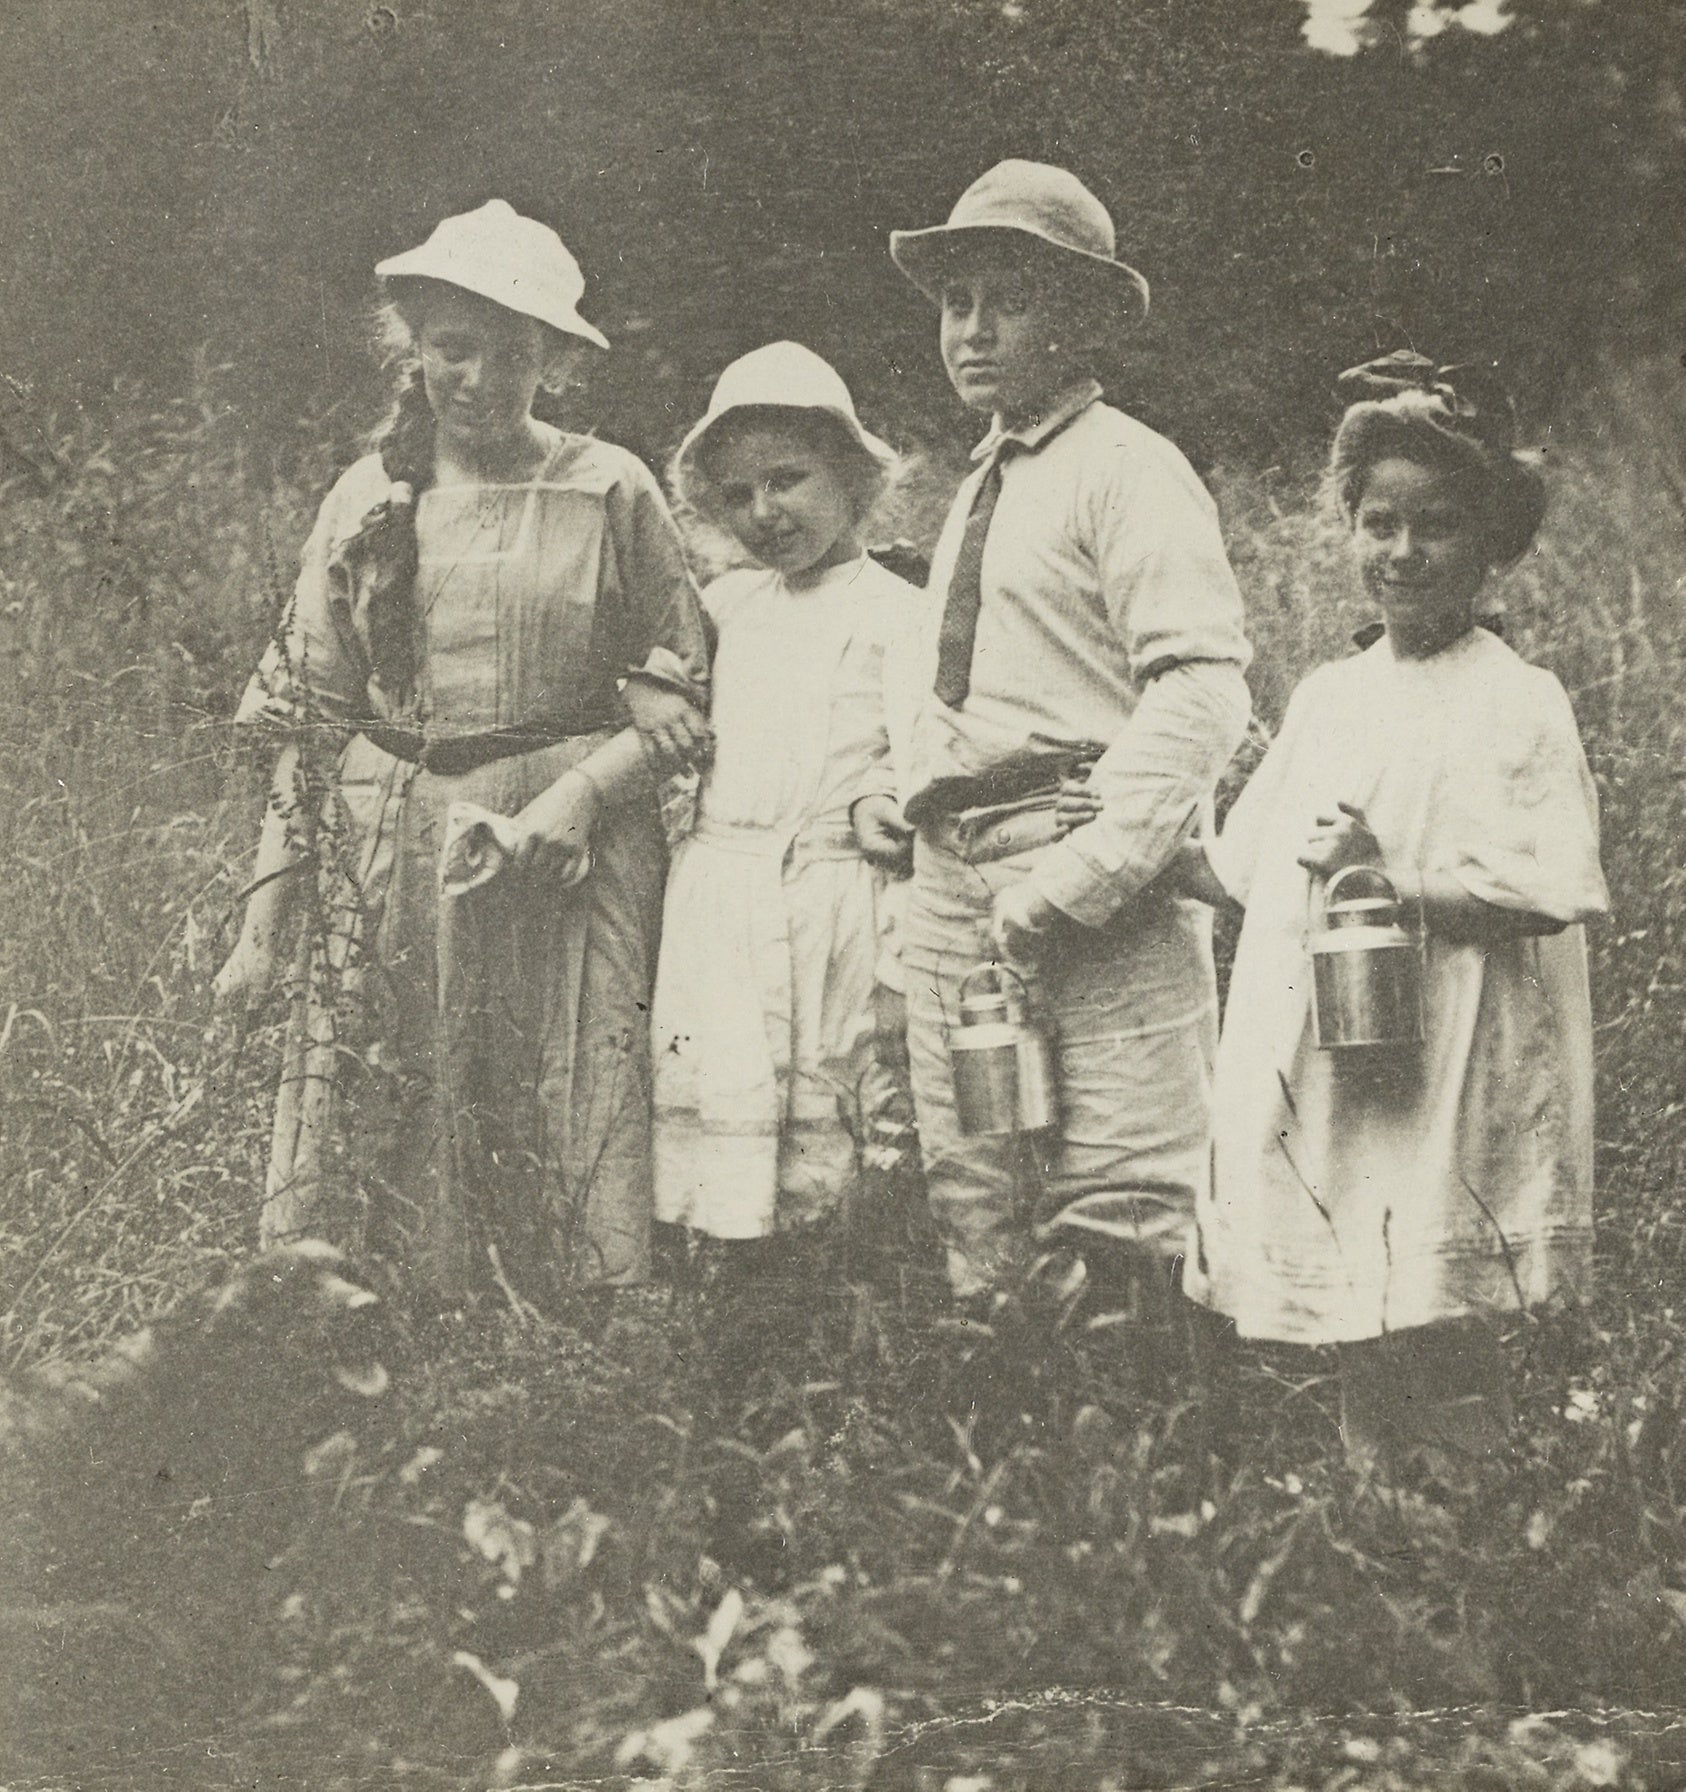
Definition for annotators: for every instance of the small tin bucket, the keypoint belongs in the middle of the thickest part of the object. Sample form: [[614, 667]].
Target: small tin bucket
[[1003, 1063], [1367, 969]]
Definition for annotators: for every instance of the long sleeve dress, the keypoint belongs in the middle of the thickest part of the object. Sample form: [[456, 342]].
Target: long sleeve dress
[[473, 1071], [763, 1013], [1348, 1203]]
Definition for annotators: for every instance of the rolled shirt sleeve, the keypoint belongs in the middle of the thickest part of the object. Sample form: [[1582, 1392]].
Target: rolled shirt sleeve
[[1173, 603], [1154, 784], [1109, 615]]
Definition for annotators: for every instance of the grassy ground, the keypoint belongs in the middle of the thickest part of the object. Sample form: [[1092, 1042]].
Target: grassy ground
[[785, 1525]]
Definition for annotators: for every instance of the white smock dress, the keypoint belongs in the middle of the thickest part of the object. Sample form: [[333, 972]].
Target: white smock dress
[[1350, 1202], [763, 1021]]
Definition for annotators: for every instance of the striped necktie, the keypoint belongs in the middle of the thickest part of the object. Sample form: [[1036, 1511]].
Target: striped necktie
[[965, 592]]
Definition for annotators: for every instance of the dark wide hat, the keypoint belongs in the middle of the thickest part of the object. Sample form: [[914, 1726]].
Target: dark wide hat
[[1405, 403], [1030, 200]]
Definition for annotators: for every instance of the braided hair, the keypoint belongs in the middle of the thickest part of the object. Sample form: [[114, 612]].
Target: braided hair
[[383, 554], [386, 542]]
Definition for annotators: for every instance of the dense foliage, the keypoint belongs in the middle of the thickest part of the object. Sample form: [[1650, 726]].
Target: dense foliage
[[794, 1528], [787, 1526], [193, 171]]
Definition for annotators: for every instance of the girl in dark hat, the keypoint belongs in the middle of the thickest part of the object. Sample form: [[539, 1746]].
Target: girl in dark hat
[[1395, 1204]]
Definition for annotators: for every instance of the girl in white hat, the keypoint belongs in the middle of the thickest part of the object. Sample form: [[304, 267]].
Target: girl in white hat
[[466, 1081], [763, 1013]]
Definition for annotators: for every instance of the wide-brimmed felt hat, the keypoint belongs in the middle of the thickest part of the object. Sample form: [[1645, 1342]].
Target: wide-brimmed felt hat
[[499, 255], [1033, 200], [782, 376]]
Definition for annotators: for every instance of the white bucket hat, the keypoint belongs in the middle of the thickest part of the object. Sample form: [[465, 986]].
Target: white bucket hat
[[514, 261], [782, 376]]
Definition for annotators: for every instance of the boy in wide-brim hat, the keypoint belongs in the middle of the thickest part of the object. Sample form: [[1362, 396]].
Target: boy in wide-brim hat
[[1083, 610]]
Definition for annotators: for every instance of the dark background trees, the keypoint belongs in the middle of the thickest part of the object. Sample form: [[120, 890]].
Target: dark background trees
[[187, 175], [197, 191]]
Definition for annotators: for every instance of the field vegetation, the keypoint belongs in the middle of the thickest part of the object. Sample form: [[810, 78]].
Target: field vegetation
[[782, 1523]]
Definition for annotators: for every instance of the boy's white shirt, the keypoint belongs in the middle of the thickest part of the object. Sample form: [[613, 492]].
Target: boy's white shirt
[[1094, 507]]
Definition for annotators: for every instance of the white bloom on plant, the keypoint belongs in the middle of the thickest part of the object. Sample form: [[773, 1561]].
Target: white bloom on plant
[[504, 1692], [1425, 20], [1486, 18], [1582, 1406], [788, 1651], [668, 1745], [1600, 1763], [509, 1544]]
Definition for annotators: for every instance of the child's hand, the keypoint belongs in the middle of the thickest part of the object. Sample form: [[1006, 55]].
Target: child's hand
[[1019, 922], [1338, 841], [248, 975], [554, 830], [674, 731], [881, 833], [1076, 803]]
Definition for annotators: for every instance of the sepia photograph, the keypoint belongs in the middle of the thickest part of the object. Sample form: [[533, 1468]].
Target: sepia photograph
[[843, 895]]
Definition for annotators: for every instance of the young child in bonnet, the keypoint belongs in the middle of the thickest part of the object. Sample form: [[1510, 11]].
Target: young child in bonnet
[[1398, 1202], [763, 1018]]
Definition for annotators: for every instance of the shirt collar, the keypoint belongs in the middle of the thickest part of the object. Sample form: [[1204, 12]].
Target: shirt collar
[[1371, 632], [1067, 405]]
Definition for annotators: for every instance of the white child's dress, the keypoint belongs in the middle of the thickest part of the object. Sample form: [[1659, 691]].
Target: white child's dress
[[1349, 1203], [763, 1017]]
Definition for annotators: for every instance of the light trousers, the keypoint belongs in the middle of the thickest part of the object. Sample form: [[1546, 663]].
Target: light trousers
[[1132, 1010]]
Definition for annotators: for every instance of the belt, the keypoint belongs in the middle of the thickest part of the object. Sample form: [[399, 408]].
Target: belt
[[998, 831], [1028, 775], [452, 755]]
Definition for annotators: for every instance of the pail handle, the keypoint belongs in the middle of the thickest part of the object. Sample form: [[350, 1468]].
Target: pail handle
[[992, 968], [1374, 872]]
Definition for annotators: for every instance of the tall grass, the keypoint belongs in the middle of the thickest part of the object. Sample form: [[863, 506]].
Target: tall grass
[[795, 1529], [138, 589]]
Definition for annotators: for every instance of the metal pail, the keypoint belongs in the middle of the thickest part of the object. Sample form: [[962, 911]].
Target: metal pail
[[1367, 981], [1003, 1064]]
